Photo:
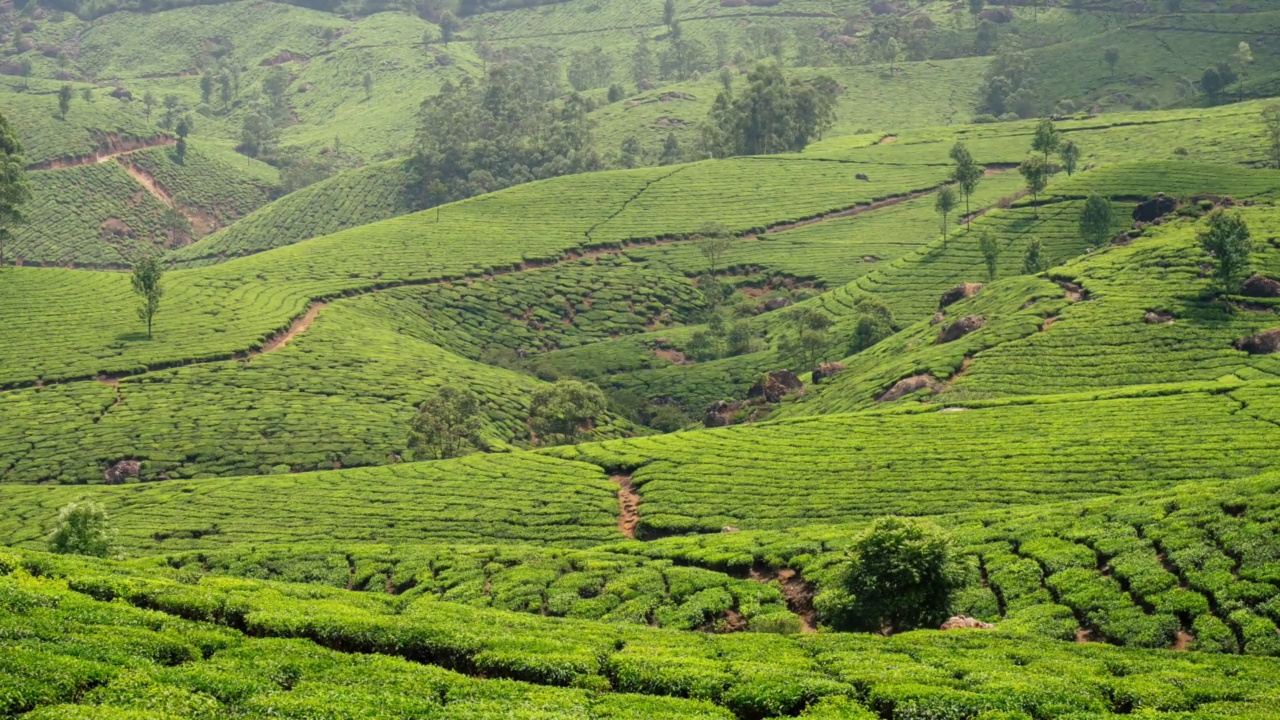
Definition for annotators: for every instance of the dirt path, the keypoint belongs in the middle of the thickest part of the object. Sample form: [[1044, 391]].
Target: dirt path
[[296, 328], [628, 506], [115, 146], [797, 593], [153, 186]]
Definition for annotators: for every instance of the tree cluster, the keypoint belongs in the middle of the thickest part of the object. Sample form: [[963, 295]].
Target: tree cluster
[[772, 115], [1009, 89], [14, 188]]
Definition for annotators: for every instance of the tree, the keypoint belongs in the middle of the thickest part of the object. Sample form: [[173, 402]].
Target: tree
[[804, 339], [86, 94], [436, 195], [64, 101], [1244, 56], [945, 203], [368, 85], [1033, 260], [447, 425], [671, 152], [770, 116], [449, 26], [975, 9], [902, 574], [616, 93], [1112, 57], [176, 224], [1036, 175], [257, 132], [225, 81], [172, 106], [713, 241], [1271, 125], [966, 174], [207, 82], [1069, 153], [147, 274], [82, 528], [990, 249], [642, 62], [25, 67], [669, 13], [566, 409], [1096, 220], [1211, 82], [1227, 240], [1046, 140], [183, 129], [148, 103], [14, 188]]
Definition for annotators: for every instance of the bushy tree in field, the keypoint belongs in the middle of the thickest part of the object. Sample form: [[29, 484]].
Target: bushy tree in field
[[1033, 260], [1096, 220], [82, 528], [967, 173], [771, 115], [944, 204], [561, 412], [902, 574], [449, 27], [874, 323], [975, 9], [1036, 176], [1271, 126], [1227, 239], [14, 188], [1112, 57], [207, 85], [990, 249], [713, 240], [148, 103], [804, 339], [147, 274], [642, 63], [1069, 153], [589, 70], [368, 86], [446, 425], [1009, 86], [64, 101], [1046, 140], [671, 151]]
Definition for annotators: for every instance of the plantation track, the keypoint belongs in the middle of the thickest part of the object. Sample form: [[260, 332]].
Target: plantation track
[[102, 156], [300, 323], [628, 506], [153, 186]]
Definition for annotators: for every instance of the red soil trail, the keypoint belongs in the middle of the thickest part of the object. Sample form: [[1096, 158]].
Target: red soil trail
[[113, 146], [296, 328], [628, 506]]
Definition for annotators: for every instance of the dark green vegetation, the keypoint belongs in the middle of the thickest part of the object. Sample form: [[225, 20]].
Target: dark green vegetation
[[639, 360]]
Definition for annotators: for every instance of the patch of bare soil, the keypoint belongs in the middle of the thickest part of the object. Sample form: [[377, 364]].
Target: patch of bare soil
[[675, 357], [1085, 635], [1183, 641], [799, 597], [906, 386], [1074, 292], [110, 145], [628, 506], [1048, 322], [297, 327], [888, 139]]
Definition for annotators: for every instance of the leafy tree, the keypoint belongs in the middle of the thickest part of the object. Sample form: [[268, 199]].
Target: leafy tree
[[1244, 56], [616, 93], [172, 106], [226, 80], [987, 37], [1036, 175], [902, 574], [147, 274], [1069, 153], [82, 528], [565, 409], [804, 338], [183, 129], [874, 323], [990, 249], [1096, 220], [713, 240], [64, 101], [437, 194], [1271, 125], [1211, 82], [669, 13], [944, 204], [148, 103], [86, 94], [26, 67], [966, 174], [207, 83], [671, 152], [1046, 140], [447, 425], [449, 26], [771, 116], [257, 132], [14, 188], [975, 9], [368, 85], [1009, 86], [591, 69], [631, 153], [1033, 260], [642, 62], [1227, 240], [176, 223], [1112, 57]]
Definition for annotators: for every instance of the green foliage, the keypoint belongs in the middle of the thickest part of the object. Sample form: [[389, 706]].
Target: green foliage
[[1227, 240], [966, 174], [1033, 260], [561, 412], [1035, 173], [1046, 141], [82, 528], [944, 204], [1069, 153], [447, 425], [147, 276], [15, 190], [773, 115], [65, 93], [990, 250], [902, 575], [1097, 220]]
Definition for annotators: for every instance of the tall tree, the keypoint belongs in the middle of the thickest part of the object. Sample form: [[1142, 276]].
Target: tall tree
[[14, 189], [1069, 153], [1096, 220], [669, 13], [975, 9], [944, 204], [148, 103], [1227, 240], [207, 82], [176, 224], [172, 106], [771, 115], [1112, 57], [1046, 140], [713, 240], [966, 174], [447, 425], [565, 410], [642, 62], [25, 67], [183, 129], [804, 338], [1033, 260], [437, 193], [368, 85], [64, 101], [449, 27], [1271, 126], [671, 152], [147, 275], [1036, 176], [990, 249]]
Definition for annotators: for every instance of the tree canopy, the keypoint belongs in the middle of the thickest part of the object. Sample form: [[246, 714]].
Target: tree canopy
[[773, 115]]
